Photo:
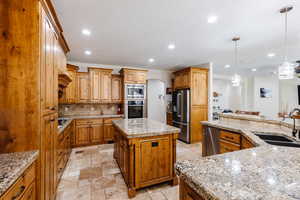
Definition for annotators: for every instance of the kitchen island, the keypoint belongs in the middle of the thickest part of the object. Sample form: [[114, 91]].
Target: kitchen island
[[145, 151], [262, 172]]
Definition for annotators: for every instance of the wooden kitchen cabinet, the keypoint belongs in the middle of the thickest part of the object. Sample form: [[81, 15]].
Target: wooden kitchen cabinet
[[246, 144], [195, 79], [145, 161], [70, 91], [83, 87], [89, 132], [24, 187], [109, 129], [116, 89], [134, 76], [100, 82], [187, 193], [82, 136]]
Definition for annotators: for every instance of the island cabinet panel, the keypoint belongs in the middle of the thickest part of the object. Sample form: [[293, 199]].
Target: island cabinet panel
[[145, 161], [246, 143]]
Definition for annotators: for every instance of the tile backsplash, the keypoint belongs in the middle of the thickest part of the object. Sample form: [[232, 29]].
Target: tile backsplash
[[88, 109]]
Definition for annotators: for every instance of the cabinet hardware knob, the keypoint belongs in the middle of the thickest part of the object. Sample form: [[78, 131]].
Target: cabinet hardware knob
[[21, 189]]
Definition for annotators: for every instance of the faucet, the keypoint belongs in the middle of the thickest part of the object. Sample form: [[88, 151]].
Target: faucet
[[292, 113]]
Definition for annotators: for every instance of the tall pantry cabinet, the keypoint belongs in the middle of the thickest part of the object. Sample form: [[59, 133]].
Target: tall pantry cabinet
[[33, 50]]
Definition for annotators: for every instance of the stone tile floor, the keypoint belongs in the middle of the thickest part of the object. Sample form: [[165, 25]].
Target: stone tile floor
[[93, 174]]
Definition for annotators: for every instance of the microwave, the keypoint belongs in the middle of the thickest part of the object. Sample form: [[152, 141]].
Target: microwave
[[135, 91]]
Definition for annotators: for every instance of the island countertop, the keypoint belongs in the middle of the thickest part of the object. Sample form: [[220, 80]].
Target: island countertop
[[143, 127], [263, 172]]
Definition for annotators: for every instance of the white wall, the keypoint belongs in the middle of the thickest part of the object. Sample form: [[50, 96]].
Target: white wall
[[162, 75], [267, 106], [288, 95]]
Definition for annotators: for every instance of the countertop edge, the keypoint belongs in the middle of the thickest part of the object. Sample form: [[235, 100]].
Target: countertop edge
[[18, 172]]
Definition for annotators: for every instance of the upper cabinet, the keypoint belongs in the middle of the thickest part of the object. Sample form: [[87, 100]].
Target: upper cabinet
[[116, 89], [134, 76], [82, 87], [70, 92], [100, 82], [182, 79]]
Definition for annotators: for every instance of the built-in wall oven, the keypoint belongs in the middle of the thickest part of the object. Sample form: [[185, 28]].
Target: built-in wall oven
[[135, 109], [135, 91]]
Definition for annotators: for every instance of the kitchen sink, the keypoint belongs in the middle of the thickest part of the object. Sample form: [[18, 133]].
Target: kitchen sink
[[278, 140], [274, 137]]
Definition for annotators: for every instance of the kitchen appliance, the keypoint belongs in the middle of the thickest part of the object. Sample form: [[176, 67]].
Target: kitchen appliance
[[135, 91], [135, 109], [181, 113]]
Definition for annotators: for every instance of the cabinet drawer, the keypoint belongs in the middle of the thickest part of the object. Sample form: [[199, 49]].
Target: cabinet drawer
[[109, 120], [231, 137], [30, 193], [246, 143], [21, 185], [88, 121], [226, 146]]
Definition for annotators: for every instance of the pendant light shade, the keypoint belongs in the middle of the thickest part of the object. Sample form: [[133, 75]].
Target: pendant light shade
[[236, 79], [286, 70]]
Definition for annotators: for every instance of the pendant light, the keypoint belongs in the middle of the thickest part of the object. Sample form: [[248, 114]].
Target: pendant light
[[236, 79], [286, 70]]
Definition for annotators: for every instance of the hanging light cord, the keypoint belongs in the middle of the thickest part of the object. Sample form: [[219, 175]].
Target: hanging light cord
[[236, 60], [286, 37]]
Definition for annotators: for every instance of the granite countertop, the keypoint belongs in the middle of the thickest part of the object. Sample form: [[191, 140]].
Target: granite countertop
[[65, 125], [143, 127], [12, 166], [91, 116], [262, 172]]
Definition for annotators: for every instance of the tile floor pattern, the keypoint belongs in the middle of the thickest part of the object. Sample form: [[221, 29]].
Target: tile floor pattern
[[93, 174]]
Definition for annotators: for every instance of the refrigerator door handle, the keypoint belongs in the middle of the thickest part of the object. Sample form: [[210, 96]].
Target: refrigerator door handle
[[179, 105]]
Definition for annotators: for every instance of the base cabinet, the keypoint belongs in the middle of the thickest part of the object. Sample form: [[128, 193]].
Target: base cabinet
[[24, 188], [145, 161], [187, 193]]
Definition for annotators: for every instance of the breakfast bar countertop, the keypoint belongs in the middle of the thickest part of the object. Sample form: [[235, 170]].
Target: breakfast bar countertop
[[12, 166], [143, 127], [263, 172]]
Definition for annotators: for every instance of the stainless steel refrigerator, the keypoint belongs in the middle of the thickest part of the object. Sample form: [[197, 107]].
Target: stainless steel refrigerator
[[181, 113]]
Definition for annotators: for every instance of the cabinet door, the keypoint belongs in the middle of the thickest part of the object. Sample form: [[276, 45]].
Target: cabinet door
[[82, 135], [106, 86], [82, 88], [200, 88], [95, 80], [130, 77], [96, 133], [49, 127], [47, 66], [30, 193], [177, 81], [70, 90], [156, 160], [108, 132], [116, 89]]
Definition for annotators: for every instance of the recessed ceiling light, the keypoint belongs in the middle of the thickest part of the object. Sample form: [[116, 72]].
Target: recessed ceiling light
[[151, 60], [254, 70], [212, 19], [87, 52], [171, 46], [271, 55], [86, 32], [227, 66]]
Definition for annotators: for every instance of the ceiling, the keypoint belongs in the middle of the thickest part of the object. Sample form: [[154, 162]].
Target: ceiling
[[129, 32]]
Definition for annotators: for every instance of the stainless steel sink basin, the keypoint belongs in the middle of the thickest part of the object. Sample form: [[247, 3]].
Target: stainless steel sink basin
[[286, 144], [279, 140], [274, 137]]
